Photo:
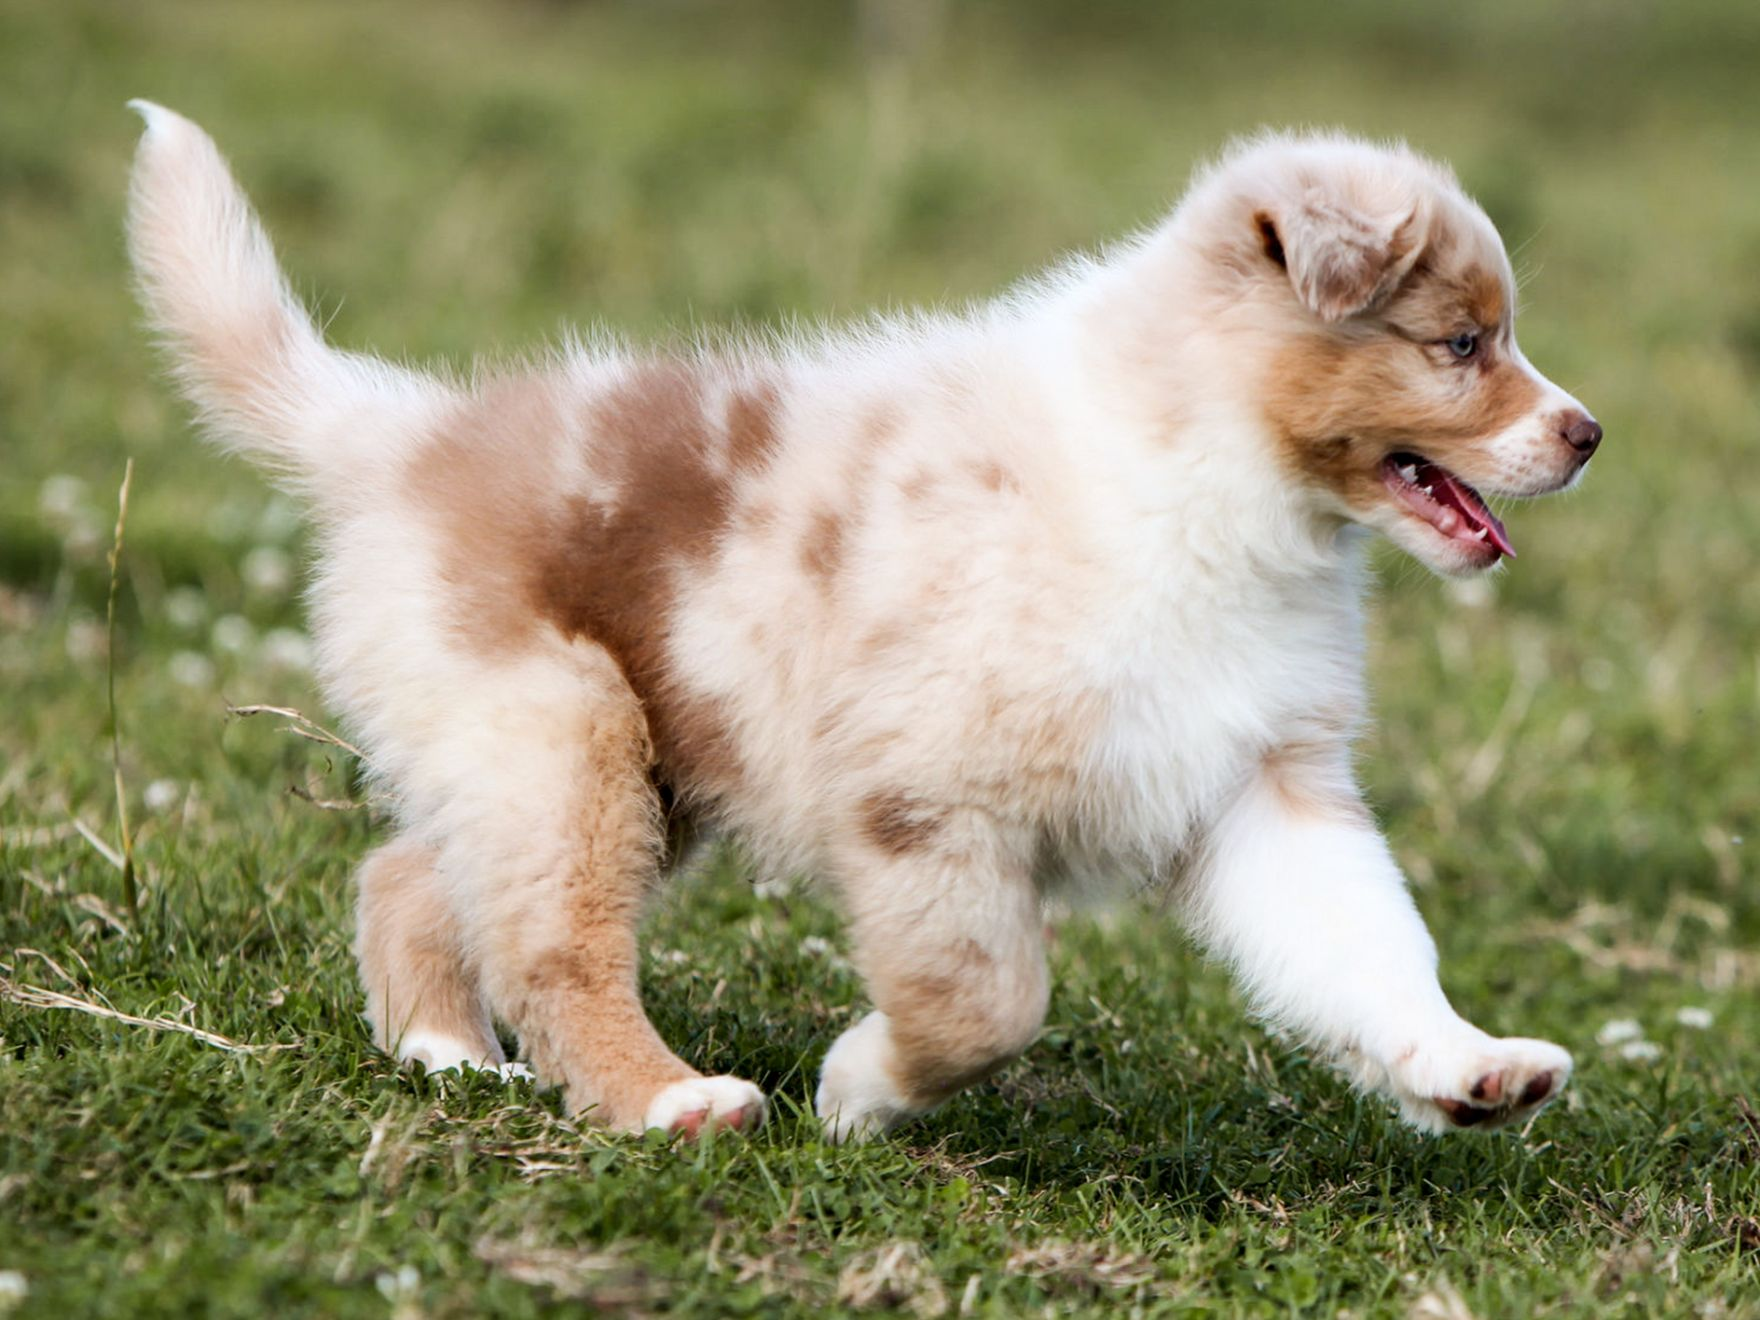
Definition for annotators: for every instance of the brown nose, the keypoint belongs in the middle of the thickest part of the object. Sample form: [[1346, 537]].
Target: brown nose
[[1581, 432]]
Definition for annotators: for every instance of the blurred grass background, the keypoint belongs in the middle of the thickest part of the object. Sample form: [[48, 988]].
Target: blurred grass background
[[1565, 759]]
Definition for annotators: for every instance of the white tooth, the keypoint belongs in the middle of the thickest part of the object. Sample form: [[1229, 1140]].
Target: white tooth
[[1429, 490], [1480, 534], [1409, 473]]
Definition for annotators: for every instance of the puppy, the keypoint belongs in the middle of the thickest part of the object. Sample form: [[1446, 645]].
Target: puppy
[[950, 611]]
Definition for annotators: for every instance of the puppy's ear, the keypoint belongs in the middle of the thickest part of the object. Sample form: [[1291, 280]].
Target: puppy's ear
[[1340, 260]]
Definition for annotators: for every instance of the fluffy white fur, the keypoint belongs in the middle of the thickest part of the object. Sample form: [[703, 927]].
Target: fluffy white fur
[[1064, 591]]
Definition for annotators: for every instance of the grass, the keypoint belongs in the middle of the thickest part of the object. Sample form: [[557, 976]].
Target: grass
[[1565, 758]]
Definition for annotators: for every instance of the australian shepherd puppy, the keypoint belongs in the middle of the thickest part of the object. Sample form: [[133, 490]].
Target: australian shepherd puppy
[[947, 610]]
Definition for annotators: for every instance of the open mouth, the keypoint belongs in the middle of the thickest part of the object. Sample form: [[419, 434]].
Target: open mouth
[[1450, 505]]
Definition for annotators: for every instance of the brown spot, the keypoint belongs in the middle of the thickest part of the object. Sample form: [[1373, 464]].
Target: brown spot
[[602, 559], [896, 823], [611, 575], [878, 426], [992, 476], [917, 485], [886, 636], [822, 547]]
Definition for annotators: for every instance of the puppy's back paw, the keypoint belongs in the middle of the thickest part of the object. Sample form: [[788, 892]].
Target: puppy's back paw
[[697, 1103]]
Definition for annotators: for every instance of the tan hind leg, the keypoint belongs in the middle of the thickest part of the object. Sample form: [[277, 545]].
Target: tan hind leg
[[950, 939], [553, 865], [423, 1000]]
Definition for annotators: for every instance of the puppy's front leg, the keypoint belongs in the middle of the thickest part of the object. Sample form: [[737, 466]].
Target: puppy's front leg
[[1300, 894]]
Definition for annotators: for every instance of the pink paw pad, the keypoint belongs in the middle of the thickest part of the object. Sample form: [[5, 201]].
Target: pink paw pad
[[1491, 1103]]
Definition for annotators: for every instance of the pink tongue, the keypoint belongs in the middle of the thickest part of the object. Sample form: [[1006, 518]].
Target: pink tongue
[[1475, 511]]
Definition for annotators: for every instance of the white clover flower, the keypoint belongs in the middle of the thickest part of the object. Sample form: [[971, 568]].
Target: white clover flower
[[816, 946], [288, 649], [230, 520], [1619, 1031], [87, 639], [279, 519], [396, 1286], [84, 536], [268, 570], [161, 795], [61, 497], [1697, 1018], [232, 633], [14, 1287], [186, 608], [1640, 1051], [192, 669]]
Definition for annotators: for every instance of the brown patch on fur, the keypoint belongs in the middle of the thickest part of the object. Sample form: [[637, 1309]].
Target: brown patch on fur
[[602, 561], [896, 823], [822, 547], [917, 485], [1436, 302], [992, 476]]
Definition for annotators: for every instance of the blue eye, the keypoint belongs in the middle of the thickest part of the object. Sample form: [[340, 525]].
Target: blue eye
[[1464, 345]]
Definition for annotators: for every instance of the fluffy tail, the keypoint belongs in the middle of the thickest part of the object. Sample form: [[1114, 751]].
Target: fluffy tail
[[244, 350]]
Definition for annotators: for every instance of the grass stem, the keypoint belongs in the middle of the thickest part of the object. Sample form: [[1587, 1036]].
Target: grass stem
[[130, 891]]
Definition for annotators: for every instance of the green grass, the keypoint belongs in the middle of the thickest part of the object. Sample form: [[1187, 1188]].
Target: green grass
[[1565, 763]]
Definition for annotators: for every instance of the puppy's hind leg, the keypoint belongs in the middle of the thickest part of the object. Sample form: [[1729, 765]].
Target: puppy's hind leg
[[950, 937], [423, 1000], [554, 853]]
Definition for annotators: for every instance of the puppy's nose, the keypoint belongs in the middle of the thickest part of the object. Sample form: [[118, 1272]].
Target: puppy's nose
[[1581, 432]]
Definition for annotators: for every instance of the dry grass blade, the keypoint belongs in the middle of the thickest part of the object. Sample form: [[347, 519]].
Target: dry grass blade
[[300, 726], [105, 851], [604, 1276], [35, 996], [130, 895], [309, 795], [1089, 1265], [40, 836], [896, 1277], [1750, 1129]]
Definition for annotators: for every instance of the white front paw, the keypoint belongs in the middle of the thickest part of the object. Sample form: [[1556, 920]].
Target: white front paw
[[857, 1097], [706, 1102], [1481, 1082]]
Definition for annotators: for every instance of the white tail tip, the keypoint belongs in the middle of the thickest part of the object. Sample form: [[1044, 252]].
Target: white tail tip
[[156, 116]]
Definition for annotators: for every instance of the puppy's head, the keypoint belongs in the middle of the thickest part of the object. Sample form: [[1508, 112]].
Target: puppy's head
[[1381, 308]]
